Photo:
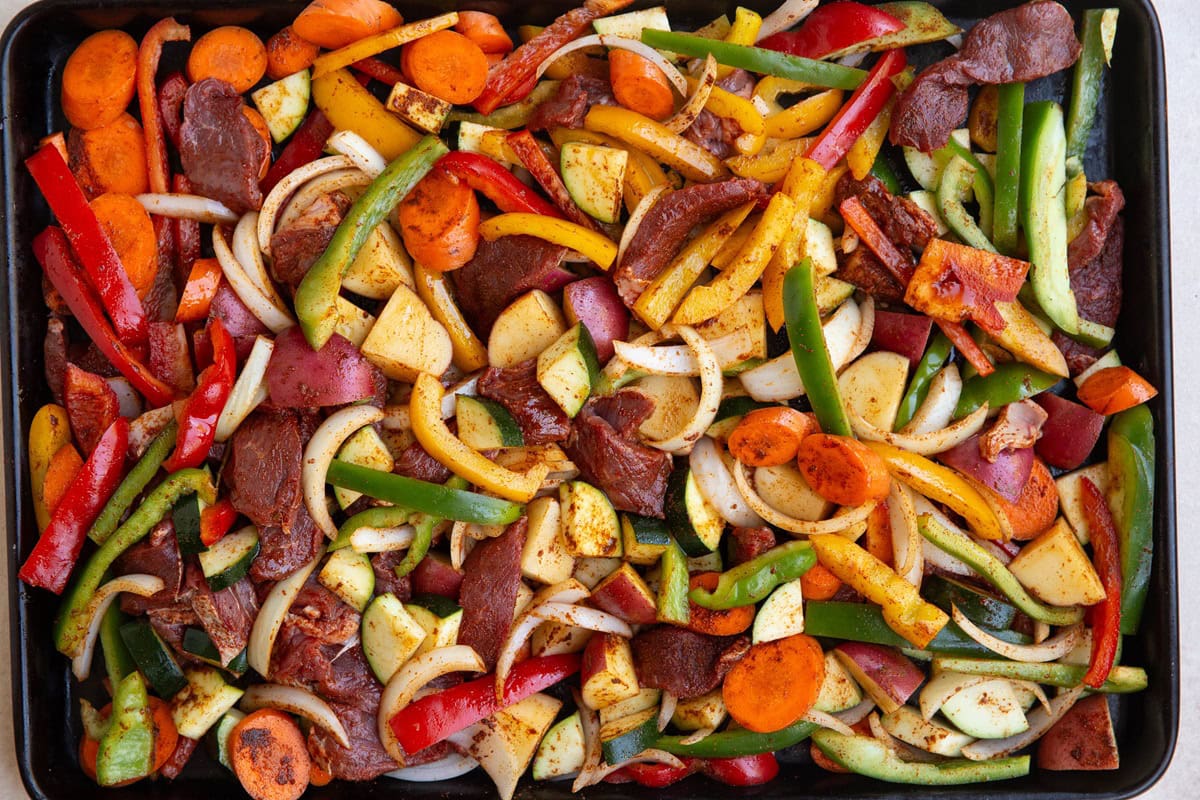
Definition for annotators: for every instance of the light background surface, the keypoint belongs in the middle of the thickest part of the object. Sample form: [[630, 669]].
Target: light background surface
[[1181, 28]]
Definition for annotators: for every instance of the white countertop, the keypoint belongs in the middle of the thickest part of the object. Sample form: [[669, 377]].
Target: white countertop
[[1181, 27]]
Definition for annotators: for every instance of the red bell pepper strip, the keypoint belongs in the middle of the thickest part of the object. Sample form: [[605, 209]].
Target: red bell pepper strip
[[877, 241], [198, 420], [1105, 616], [654, 776], [91, 243], [531, 155], [497, 184], [379, 70], [170, 105], [304, 147], [969, 348], [149, 53], [216, 520], [431, 719], [859, 112], [53, 557], [53, 252], [742, 771], [834, 27]]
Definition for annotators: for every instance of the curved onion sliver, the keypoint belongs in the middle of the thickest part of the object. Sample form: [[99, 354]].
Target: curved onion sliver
[[414, 675], [454, 765], [938, 409], [1053, 648], [247, 289], [836, 524], [667, 710], [788, 14], [319, 454], [692, 107], [381, 540], [358, 150], [712, 384], [827, 721], [592, 619], [923, 444], [271, 615], [328, 183], [907, 542], [568, 591], [590, 722], [296, 701], [245, 250], [283, 190], [669, 70], [719, 487], [187, 206], [97, 607], [856, 714], [866, 328], [649, 756]]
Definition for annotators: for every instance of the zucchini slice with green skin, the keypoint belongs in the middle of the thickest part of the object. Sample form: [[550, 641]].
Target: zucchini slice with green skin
[[561, 752], [590, 528], [644, 538], [594, 176], [485, 424], [390, 636], [569, 369], [365, 449], [186, 518], [201, 705], [350, 576], [218, 736], [695, 524], [197, 642], [153, 658], [979, 606], [229, 560], [622, 739], [440, 618], [673, 605], [284, 103]]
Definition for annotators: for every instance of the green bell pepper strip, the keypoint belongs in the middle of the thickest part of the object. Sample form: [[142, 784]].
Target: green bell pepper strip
[[737, 743], [512, 116], [423, 536], [882, 169], [863, 622], [1009, 122], [866, 756], [1131, 497], [752, 581], [1009, 383], [127, 747], [936, 356], [807, 339], [673, 588], [316, 297], [1122, 680], [993, 571], [71, 625], [117, 661], [424, 497], [956, 178], [381, 517], [1099, 28], [136, 481], [757, 59], [981, 182]]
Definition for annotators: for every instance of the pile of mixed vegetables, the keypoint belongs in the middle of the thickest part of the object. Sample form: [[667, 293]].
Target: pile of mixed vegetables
[[650, 430]]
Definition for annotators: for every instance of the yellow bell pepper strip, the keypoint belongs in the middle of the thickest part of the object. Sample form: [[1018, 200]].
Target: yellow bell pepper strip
[[469, 352], [743, 31], [425, 410], [904, 610], [734, 244], [349, 106], [664, 294], [1027, 341], [686, 157], [596, 246], [941, 485], [822, 205], [769, 89], [317, 295], [770, 165], [705, 302], [806, 116], [731, 106], [992, 569], [801, 183], [48, 432], [865, 150], [380, 42], [1131, 497]]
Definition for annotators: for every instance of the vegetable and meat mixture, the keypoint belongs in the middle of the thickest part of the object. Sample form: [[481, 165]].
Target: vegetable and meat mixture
[[598, 399]]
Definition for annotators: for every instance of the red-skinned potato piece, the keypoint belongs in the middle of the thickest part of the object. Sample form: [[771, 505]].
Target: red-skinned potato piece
[[1069, 433], [607, 673], [906, 334], [1006, 476], [595, 303], [624, 594], [1082, 740], [883, 672], [434, 575]]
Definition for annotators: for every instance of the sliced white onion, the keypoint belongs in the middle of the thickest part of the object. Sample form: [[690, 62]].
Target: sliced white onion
[[941, 687], [669, 70], [866, 328], [692, 107], [856, 714], [712, 385], [835, 524], [650, 756], [319, 454], [141, 585], [778, 380], [697, 736], [306, 195], [719, 487], [590, 722], [187, 206], [568, 591], [249, 391], [784, 17], [826, 720], [923, 444], [129, 402], [459, 544], [1053, 648], [245, 249], [938, 409], [1040, 721], [881, 733], [270, 618], [592, 619], [675, 361], [381, 540], [144, 429], [454, 765], [416, 673], [283, 190], [635, 219], [274, 317], [853, 59], [1036, 690], [358, 150], [667, 710], [955, 40], [295, 701], [931, 553], [906, 534]]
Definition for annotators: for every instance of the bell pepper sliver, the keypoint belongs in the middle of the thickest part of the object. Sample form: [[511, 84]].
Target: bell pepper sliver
[[133, 484], [750, 582], [48, 432], [867, 756], [596, 246], [936, 356], [1131, 467], [859, 112], [1105, 617], [736, 743], [374, 45], [807, 341], [415, 496]]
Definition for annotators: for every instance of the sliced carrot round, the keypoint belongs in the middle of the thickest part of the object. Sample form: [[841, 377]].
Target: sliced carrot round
[[439, 222], [446, 64], [111, 158], [775, 684], [269, 756], [131, 232], [819, 583], [99, 79], [166, 736], [843, 470], [639, 85], [232, 54], [768, 437], [337, 23], [288, 53]]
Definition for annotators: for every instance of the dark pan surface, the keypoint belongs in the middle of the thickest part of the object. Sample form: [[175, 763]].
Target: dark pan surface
[[1129, 145]]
